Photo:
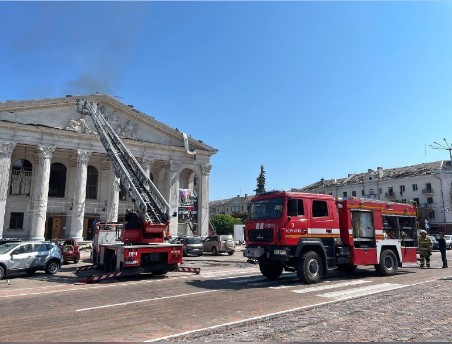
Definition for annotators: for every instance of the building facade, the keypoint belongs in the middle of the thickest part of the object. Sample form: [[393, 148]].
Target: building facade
[[230, 206], [428, 184], [57, 180]]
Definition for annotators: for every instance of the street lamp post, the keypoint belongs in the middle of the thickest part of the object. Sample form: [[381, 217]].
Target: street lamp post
[[448, 147], [445, 146]]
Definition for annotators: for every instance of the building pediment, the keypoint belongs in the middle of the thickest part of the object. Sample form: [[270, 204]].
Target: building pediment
[[129, 123]]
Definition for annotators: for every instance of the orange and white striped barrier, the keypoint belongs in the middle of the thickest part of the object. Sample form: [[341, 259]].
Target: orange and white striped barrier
[[98, 278], [183, 269], [86, 267]]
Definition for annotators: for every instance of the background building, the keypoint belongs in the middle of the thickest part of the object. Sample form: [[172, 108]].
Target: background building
[[428, 184], [230, 206], [56, 179]]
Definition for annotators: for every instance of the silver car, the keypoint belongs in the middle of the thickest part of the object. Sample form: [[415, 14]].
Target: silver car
[[30, 256], [448, 242], [217, 244]]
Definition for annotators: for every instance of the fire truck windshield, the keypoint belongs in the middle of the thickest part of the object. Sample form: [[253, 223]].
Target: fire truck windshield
[[266, 209]]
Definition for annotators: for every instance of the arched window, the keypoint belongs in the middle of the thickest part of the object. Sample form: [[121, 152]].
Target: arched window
[[91, 182], [57, 181], [21, 177]]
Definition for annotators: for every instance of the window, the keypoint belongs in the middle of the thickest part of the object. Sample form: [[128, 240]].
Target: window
[[390, 191], [371, 192], [91, 182], [57, 181], [403, 200], [21, 177], [354, 193], [416, 200], [432, 215], [380, 190], [402, 188], [344, 193], [414, 187], [267, 209], [362, 192], [16, 221], [319, 209], [363, 224], [430, 200], [295, 207]]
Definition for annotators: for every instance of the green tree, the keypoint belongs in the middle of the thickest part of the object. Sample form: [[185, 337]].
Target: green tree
[[224, 224], [261, 182]]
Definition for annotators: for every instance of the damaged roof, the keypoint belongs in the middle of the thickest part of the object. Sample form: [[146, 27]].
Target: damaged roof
[[383, 174]]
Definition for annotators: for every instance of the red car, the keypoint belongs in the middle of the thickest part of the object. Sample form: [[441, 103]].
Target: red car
[[70, 249]]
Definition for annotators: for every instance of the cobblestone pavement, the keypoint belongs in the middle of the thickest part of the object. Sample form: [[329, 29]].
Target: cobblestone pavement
[[418, 313]]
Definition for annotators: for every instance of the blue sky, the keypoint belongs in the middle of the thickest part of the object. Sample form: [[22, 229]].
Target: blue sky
[[306, 89]]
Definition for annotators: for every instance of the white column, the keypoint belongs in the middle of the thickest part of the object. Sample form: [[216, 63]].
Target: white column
[[6, 150], [41, 194], [78, 205], [113, 201], [174, 196], [203, 201], [147, 169]]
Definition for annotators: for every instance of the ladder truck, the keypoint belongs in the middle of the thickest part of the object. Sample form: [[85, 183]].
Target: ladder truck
[[138, 245]]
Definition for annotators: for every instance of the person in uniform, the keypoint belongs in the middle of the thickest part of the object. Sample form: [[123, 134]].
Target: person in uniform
[[442, 248], [425, 248], [131, 219]]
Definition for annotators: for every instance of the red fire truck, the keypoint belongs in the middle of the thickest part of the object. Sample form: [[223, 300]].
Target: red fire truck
[[312, 233], [138, 245]]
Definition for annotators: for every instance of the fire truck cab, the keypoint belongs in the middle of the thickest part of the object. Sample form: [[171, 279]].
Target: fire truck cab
[[312, 233]]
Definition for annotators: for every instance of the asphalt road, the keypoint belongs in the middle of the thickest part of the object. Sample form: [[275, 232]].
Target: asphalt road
[[183, 306]]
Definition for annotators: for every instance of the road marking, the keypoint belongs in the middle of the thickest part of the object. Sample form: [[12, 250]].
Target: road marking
[[394, 286], [85, 287], [363, 291], [329, 286], [145, 300]]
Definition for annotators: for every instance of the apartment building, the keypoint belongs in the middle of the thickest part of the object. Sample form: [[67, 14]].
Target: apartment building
[[428, 184], [230, 206]]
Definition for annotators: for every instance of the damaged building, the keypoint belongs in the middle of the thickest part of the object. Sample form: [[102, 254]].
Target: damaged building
[[428, 184], [57, 180]]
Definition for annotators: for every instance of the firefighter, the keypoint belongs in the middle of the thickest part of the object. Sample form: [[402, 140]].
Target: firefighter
[[425, 248], [131, 219], [442, 248]]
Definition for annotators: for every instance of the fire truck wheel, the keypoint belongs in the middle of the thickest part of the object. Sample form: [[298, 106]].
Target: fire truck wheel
[[271, 270], [109, 261], [112, 262], [388, 263], [309, 267]]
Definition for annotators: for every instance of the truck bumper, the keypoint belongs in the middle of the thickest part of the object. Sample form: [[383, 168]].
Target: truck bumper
[[254, 252]]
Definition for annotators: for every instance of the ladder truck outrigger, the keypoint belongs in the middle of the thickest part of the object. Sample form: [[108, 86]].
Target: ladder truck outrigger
[[139, 244]]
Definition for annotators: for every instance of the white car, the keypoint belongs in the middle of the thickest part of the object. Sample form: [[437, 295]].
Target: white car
[[30, 256], [448, 242]]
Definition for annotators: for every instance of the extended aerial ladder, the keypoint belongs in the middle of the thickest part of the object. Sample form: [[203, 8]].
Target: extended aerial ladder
[[152, 208]]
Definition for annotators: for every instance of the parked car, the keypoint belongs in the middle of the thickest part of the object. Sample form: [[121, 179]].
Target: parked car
[[217, 244], [30, 256], [71, 250], [448, 241], [190, 245], [434, 242]]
